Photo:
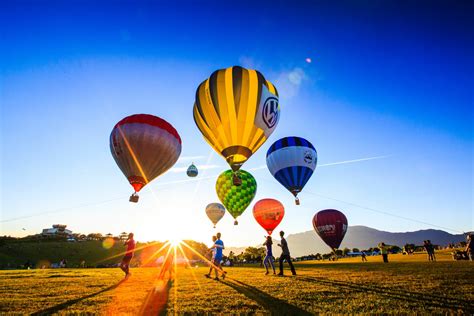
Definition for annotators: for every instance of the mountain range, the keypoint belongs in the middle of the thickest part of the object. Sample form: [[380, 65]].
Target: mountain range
[[361, 237]]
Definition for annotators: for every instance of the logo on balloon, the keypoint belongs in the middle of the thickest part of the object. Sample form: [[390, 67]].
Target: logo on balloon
[[308, 157], [270, 112]]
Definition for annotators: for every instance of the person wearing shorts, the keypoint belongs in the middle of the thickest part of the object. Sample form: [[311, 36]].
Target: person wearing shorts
[[125, 264]]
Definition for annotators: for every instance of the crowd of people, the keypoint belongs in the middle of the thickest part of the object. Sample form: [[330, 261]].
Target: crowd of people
[[216, 252]]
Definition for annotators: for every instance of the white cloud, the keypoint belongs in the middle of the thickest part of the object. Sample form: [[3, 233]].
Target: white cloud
[[190, 158], [288, 82], [249, 62]]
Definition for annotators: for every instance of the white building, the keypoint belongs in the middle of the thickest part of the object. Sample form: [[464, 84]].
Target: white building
[[57, 229]]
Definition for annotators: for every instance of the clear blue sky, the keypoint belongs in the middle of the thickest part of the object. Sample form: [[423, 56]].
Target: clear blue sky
[[390, 78]]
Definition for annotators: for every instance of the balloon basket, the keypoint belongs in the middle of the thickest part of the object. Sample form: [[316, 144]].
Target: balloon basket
[[214, 226], [297, 201], [236, 223], [134, 198], [236, 180]]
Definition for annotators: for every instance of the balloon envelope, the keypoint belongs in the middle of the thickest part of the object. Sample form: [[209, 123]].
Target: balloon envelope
[[236, 110], [268, 213], [236, 198], [192, 171], [144, 146], [215, 211], [331, 226], [292, 160]]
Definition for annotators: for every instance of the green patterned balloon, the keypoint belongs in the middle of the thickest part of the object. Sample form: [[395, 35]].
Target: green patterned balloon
[[236, 198]]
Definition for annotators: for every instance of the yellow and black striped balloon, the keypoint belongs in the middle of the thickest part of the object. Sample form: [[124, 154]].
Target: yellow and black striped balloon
[[236, 110]]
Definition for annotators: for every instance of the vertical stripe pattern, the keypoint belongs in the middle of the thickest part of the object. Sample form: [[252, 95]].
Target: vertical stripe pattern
[[230, 111], [292, 161]]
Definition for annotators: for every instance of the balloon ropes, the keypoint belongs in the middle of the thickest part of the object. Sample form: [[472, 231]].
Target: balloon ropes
[[144, 147]]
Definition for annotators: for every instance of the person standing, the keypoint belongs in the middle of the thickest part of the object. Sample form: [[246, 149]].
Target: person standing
[[285, 255], [430, 249], [384, 252], [219, 245], [470, 247], [213, 256], [269, 255], [125, 264], [364, 256]]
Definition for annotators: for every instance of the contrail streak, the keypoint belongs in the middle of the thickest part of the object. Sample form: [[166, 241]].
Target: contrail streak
[[159, 184], [352, 161]]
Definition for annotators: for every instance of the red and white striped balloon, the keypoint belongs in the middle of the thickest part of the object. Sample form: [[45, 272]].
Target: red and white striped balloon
[[144, 147]]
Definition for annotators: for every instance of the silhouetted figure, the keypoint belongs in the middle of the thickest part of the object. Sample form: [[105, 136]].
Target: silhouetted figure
[[364, 257], [429, 249], [470, 247], [269, 255], [285, 255], [125, 264], [213, 256], [384, 252]]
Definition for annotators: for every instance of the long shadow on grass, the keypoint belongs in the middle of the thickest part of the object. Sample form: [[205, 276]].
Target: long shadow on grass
[[157, 298], [272, 304], [59, 307], [428, 300]]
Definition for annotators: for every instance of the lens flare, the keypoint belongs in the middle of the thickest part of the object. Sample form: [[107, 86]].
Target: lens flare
[[108, 243]]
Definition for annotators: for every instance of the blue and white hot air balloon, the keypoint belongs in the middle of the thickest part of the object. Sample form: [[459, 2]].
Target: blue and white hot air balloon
[[192, 171], [292, 160]]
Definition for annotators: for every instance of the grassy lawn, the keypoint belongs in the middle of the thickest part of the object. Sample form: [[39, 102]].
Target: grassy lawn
[[408, 284]]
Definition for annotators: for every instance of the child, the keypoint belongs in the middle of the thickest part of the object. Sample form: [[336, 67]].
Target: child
[[213, 252], [269, 256]]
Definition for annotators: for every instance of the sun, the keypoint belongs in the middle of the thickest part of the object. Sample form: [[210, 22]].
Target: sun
[[174, 241]]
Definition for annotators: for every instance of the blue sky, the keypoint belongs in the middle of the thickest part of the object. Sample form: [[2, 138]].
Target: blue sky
[[391, 79]]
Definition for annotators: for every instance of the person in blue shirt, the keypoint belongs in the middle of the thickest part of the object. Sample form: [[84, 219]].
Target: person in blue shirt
[[269, 254], [219, 246]]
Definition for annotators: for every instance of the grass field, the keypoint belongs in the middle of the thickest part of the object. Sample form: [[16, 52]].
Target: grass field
[[408, 284]]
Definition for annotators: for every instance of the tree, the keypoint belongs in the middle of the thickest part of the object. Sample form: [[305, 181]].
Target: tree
[[318, 256], [346, 251], [355, 250], [254, 253], [123, 236]]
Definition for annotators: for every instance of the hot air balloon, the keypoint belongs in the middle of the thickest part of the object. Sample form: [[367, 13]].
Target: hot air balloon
[[236, 198], [236, 110], [144, 146], [192, 171], [215, 211], [331, 226], [292, 160], [268, 213]]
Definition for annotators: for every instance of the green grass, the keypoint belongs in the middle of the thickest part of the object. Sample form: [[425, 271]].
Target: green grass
[[405, 285]]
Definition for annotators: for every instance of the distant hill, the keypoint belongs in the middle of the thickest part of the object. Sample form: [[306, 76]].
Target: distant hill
[[361, 237]]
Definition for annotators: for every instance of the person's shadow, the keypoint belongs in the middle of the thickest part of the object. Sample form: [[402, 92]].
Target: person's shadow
[[272, 304], [157, 298], [59, 307]]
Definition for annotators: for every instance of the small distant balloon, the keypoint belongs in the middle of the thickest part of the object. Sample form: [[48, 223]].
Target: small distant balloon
[[215, 212], [308, 60], [192, 171]]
